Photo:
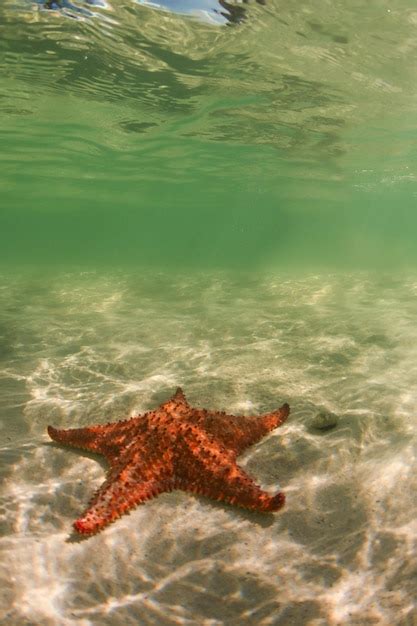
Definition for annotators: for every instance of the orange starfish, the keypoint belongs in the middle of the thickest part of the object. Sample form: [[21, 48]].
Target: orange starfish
[[174, 447]]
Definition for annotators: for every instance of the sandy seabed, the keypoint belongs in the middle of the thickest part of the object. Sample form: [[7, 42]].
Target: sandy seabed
[[82, 348]]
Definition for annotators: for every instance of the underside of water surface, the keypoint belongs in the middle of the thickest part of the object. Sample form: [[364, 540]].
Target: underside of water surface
[[135, 134], [219, 196]]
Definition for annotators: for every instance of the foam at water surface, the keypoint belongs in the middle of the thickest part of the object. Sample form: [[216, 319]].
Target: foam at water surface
[[83, 348]]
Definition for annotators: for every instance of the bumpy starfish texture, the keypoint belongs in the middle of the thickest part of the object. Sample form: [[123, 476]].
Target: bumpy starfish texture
[[174, 447]]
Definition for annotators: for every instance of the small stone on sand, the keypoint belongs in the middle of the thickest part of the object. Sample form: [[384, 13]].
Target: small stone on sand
[[324, 420]]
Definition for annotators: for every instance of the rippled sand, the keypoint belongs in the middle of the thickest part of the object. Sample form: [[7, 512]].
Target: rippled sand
[[83, 348]]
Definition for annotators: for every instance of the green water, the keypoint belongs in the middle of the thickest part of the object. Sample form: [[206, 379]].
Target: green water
[[141, 137]]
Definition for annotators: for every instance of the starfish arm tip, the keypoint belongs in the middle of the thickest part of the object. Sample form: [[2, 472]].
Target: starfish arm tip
[[90, 524], [283, 412], [52, 432], [279, 416], [179, 393], [82, 528], [277, 501]]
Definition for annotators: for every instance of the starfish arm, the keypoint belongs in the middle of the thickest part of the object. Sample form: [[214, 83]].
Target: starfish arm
[[176, 404], [138, 480], [89, 438], [106, 439], [209, 469], [239, 432]]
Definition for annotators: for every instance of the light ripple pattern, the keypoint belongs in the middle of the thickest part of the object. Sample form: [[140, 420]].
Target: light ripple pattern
[[82, 348]]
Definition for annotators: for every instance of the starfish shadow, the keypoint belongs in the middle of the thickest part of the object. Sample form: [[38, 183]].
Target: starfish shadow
[[74, 537], [259, 518]]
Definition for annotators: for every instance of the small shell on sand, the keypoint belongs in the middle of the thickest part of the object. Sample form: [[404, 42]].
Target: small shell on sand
[[324, 420]]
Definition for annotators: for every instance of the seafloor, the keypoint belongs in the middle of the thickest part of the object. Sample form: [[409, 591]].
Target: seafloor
[[79, 348]]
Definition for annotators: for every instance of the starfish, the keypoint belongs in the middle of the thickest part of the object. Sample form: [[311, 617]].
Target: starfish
[[175, 446]]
